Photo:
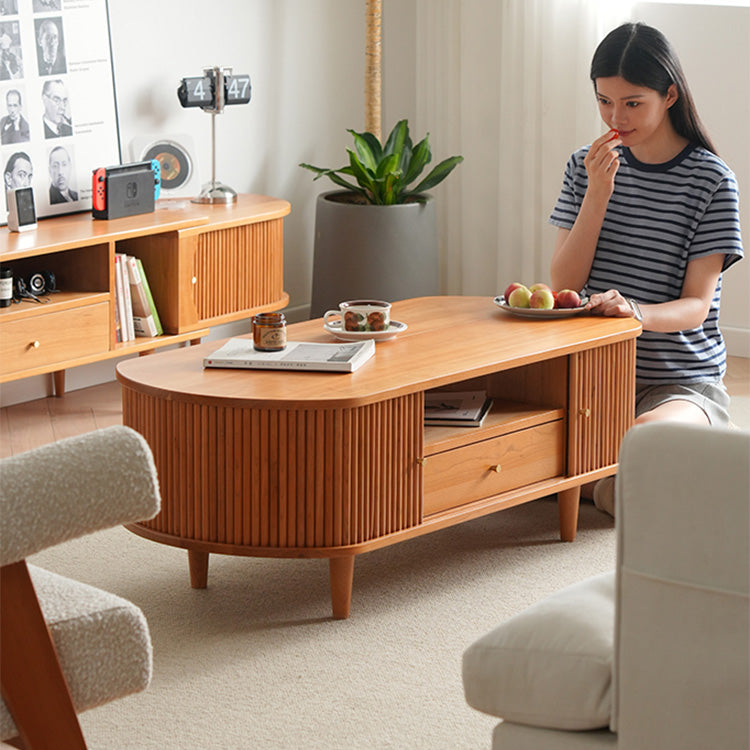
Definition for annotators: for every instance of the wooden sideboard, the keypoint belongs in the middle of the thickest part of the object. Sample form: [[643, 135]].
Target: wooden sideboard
[[206, 265], [307, 464]]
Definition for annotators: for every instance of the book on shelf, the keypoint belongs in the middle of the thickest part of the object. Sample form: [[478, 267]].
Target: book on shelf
[[118, 326], [151, 303], [128, 302], [120, 298], [143, 319], [456, 408], [297, 355]]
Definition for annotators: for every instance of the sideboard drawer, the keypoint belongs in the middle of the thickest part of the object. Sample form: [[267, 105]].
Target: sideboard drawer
[[490, 467], [59, 336]]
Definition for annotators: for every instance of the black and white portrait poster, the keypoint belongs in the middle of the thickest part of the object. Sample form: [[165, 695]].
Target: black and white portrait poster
[[58, 119]]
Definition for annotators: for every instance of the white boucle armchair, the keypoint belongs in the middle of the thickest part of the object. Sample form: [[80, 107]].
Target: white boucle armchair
[[66, 646], [656, 654]]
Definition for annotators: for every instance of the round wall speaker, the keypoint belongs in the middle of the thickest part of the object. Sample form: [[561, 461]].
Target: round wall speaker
[[178, 168]]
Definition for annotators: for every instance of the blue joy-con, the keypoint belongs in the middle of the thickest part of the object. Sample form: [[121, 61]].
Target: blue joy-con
[[156, 169]]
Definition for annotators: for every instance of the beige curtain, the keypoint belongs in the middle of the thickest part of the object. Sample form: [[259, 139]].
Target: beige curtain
[[505, 83]]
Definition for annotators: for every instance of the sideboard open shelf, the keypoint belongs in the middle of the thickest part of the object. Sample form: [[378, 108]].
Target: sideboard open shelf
[[206, 265]]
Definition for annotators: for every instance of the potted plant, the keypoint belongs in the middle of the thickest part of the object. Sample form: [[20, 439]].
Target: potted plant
[[377, 237]]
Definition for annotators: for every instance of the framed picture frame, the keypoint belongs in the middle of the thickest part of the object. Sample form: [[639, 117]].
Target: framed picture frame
[[58, 112]]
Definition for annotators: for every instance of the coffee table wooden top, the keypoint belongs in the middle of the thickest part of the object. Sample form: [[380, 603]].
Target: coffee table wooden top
[[449, 339]]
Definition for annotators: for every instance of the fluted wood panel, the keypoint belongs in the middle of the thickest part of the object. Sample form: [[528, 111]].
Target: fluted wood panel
[[602, 404], [283, 478], [221, 287]]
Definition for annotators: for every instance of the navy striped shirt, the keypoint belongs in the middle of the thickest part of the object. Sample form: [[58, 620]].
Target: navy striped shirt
[[659, 218]]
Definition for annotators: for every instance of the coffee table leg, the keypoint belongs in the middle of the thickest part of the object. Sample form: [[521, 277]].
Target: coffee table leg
[[567, 506], [341, 571], [198, 562]]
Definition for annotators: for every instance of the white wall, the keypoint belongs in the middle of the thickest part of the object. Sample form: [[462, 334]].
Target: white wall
[[306, 62]]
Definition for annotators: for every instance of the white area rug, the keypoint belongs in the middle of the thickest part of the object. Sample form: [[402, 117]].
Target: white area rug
[[255, 661]]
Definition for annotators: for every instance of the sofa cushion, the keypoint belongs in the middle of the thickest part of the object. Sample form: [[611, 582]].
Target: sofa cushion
[[550, 665], [102, 641]]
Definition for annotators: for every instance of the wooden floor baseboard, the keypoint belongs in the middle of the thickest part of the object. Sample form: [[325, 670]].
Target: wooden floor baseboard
[[28, 425]]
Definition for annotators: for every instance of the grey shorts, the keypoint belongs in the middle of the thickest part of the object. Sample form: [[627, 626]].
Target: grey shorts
[[711, 397]]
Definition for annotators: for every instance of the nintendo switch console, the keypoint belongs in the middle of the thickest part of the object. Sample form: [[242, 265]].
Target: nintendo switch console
[[126, 189]]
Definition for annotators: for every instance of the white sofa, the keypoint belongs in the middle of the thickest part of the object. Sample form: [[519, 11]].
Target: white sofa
[[656, 654], [66, 646]]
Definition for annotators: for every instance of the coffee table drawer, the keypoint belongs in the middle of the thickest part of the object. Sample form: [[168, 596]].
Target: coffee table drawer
[[490, 467]]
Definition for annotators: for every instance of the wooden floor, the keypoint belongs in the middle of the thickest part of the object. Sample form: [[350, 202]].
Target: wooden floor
[[34, 423]]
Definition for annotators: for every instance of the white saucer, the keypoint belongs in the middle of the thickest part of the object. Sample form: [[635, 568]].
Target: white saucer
[[391, 332]]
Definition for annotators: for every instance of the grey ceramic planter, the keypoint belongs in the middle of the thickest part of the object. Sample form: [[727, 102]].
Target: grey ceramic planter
[[373, 252]]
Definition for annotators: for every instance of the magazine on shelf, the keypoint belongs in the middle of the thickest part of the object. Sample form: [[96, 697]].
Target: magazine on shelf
[[297, 355], [456, 408]]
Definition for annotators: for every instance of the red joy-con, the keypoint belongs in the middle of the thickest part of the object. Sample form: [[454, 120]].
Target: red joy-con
[[99, 199]]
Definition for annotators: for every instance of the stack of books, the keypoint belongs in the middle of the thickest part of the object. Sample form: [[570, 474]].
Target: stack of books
[[135, 312], [456, 408]]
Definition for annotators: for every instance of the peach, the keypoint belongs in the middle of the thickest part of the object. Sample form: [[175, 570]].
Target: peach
[[509, 289], [519, 297], [542, 299], [568, 298]]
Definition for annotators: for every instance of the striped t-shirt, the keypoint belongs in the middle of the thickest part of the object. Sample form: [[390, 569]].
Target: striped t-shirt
[[659, 218]]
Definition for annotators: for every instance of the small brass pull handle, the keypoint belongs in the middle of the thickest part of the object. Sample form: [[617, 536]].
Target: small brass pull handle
[[194, 280], [497, 468], [34, 344], [585, 412], [421, 461]]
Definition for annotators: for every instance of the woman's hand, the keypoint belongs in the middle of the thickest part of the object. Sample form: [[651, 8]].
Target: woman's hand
[[602, 162], [610, 304]]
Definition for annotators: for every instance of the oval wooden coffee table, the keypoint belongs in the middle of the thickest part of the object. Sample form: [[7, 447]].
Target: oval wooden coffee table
[[307, 464]]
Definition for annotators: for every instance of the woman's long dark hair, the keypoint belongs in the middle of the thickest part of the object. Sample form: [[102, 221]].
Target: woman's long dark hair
[[642, 56]]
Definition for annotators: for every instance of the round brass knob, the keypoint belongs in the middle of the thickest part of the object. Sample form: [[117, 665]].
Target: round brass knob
[[194, 280], [34, 344], [497, 468], [585, 412]]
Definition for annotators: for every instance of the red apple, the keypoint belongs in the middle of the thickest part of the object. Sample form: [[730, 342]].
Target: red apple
[[509, 289], [519, 297], [568, 298], [542, 299]]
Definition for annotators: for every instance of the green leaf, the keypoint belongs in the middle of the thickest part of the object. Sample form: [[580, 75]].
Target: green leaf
[[359, 172], [397, 138], [365, 153], [421, 156], [372, 143], [438, 174], [389, 165]]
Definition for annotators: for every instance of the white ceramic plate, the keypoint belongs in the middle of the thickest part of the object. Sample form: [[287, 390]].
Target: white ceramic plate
[[393, 330], [527, 312]]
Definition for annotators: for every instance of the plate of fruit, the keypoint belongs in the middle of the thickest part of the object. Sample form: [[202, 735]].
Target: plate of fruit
[[540, 301]]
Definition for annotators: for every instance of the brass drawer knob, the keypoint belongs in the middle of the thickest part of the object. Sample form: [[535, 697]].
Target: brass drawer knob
[[585, 412], [496, 468], [194, 280], [421, 461], [34, 345]]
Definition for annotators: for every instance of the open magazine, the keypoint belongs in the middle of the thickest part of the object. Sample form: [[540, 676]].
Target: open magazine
[[297, 355]]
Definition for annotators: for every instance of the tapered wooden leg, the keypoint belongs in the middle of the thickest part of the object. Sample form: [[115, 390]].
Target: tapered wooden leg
[[567, 506], [198, 562], [58, 379], [342, 576]]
